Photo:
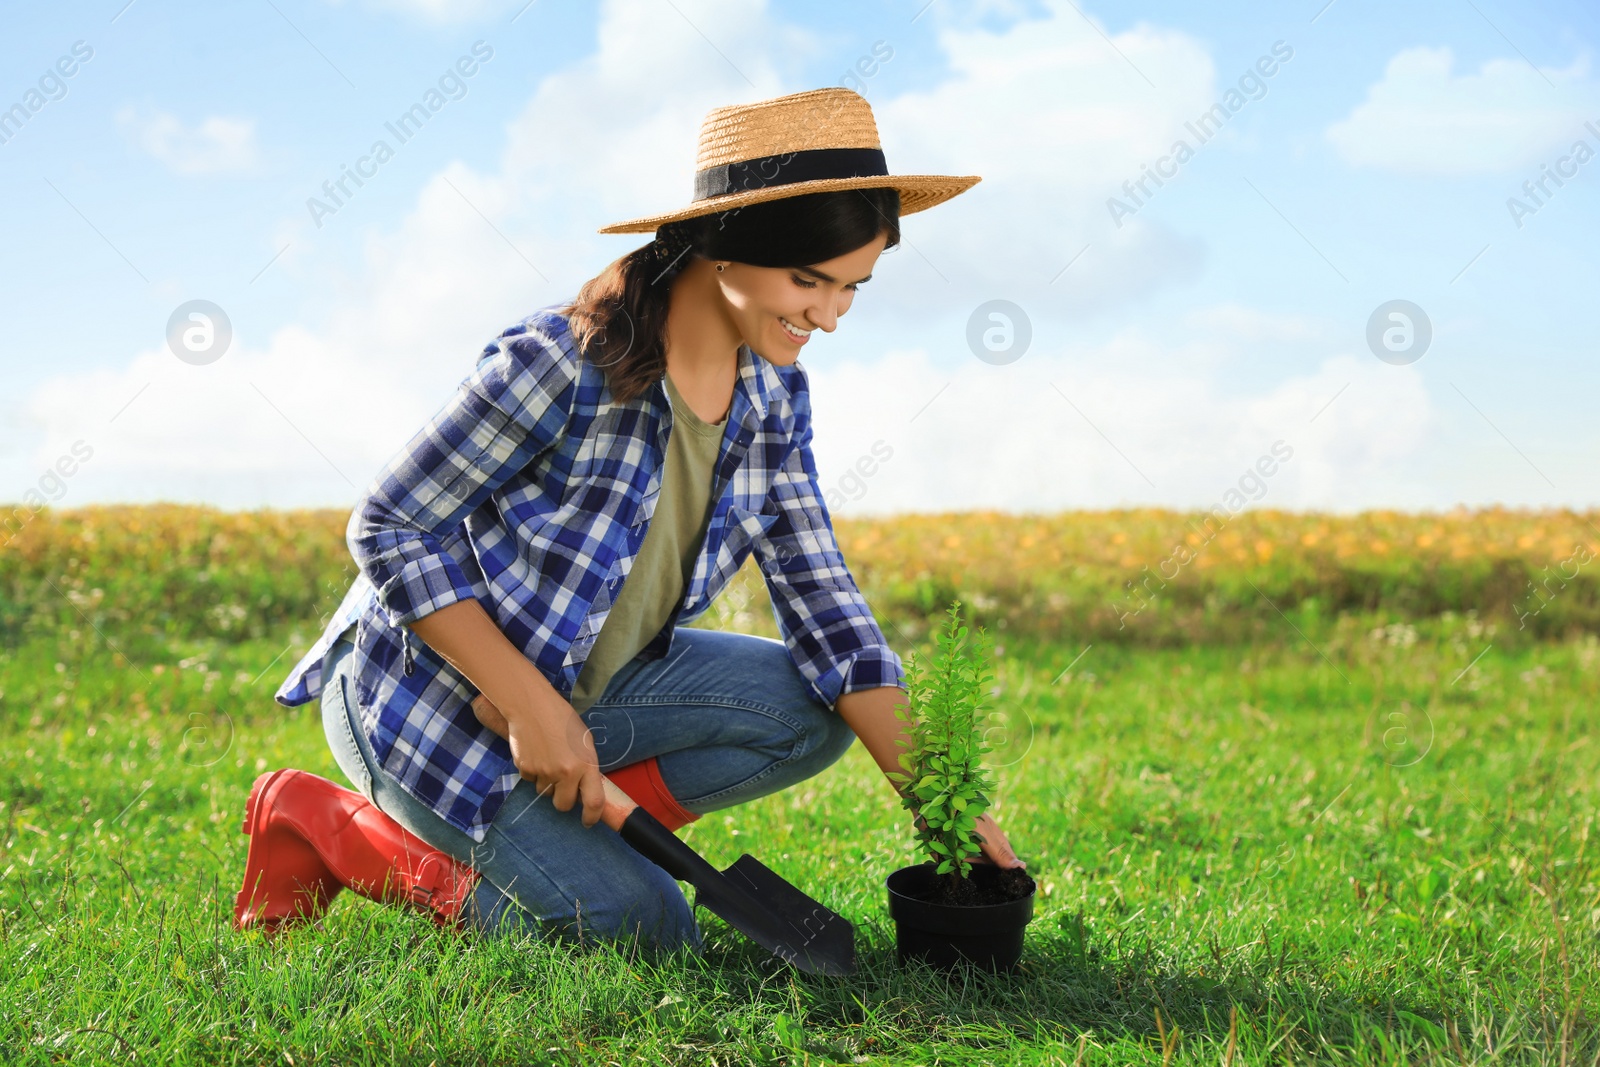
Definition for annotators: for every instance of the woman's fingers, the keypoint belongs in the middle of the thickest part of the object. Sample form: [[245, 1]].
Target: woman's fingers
[[490, 716], [566, 793], [593, 792], [553, 748], [996, 849]]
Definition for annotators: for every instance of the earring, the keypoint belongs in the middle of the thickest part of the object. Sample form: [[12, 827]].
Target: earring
[[719, 268]]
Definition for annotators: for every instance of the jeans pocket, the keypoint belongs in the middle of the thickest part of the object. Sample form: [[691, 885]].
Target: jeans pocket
[[339, 725]]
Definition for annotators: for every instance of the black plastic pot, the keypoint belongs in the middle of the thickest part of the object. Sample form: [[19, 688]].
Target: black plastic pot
[[989, 935]]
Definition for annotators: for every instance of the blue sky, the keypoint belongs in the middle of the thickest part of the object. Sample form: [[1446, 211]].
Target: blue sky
[[1227, 312]]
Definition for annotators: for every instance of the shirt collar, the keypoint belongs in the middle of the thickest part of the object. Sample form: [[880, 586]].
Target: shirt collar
[[760, 382]]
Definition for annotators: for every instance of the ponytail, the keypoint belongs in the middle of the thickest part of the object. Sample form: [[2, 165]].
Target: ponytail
[[619, 318]]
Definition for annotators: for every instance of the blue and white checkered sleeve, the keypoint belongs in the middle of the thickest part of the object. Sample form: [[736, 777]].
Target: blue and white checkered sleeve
[[513, 406], [826, 622]]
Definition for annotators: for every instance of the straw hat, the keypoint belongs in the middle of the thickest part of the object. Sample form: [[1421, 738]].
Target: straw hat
[[812, 142]]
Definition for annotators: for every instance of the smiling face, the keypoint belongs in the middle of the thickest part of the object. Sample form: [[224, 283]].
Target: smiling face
[[761, 299]]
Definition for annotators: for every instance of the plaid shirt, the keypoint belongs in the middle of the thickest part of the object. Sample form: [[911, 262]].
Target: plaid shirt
[[531, 490]]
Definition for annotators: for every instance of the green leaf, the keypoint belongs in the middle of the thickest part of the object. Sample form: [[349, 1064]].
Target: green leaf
[[947, 699], [1427, 1026], [939, 847], [790, 1034]]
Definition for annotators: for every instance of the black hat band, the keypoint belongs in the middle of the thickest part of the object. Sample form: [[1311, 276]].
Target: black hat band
[[815, 164]]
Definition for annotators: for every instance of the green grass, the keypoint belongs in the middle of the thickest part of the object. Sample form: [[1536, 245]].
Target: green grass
[[1360, 849]]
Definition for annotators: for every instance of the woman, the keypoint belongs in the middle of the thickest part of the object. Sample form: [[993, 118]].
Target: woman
[[589, 489]]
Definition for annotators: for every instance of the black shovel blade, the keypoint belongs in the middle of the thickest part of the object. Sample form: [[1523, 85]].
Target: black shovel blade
[[753, 900], [825, 937]]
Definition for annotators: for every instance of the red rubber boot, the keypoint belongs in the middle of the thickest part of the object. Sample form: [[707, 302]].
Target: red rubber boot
[[643, 782], [310, 838]]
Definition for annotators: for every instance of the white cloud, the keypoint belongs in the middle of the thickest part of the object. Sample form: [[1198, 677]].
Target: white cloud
[[308, 418], [216, 145], [1237, 322], [1052, 118], [1126, 423], [1423, 118]]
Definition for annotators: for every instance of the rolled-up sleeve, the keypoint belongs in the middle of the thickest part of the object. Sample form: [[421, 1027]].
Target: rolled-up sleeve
[[825, 621], [513, 406]]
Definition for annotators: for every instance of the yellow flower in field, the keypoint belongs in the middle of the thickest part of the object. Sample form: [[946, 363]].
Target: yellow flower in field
[[1381, 547], [1526, 541], [1264, 550], [1308, 539], [1424, 540], [953, 541]]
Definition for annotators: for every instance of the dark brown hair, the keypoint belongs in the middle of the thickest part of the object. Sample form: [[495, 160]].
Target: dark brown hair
[[619, 317]]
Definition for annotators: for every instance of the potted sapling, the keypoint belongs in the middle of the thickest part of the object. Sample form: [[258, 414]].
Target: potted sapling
[[948, 908]]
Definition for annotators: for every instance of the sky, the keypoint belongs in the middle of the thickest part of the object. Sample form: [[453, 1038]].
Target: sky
[[1363, 260]]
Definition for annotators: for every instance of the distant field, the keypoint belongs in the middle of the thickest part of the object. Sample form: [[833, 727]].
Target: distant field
[[1142, 577], [1321, 799]]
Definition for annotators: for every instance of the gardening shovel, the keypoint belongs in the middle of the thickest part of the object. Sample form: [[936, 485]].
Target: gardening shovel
[[748, 896]]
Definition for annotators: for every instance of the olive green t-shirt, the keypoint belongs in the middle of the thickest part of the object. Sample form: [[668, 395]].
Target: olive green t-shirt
[[654, 586]]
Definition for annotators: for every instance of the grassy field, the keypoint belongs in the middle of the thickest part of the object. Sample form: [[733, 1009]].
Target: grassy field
[[1352, 835]]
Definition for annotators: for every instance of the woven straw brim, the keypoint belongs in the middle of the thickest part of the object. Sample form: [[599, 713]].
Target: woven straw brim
[[918, 192]]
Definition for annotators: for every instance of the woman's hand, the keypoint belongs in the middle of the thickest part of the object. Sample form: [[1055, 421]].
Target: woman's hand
[[552, 748], [996, 849]]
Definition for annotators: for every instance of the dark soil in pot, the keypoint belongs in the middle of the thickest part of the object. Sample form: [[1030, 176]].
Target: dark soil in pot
[[1007, 884], [987, 931]]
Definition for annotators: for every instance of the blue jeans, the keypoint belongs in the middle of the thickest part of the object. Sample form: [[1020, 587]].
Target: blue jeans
[[728, 717]]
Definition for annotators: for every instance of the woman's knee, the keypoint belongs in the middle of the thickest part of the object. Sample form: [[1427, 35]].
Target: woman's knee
[[657, 915], [825, 737], [581, 885], [644, 903], [652, 910]]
